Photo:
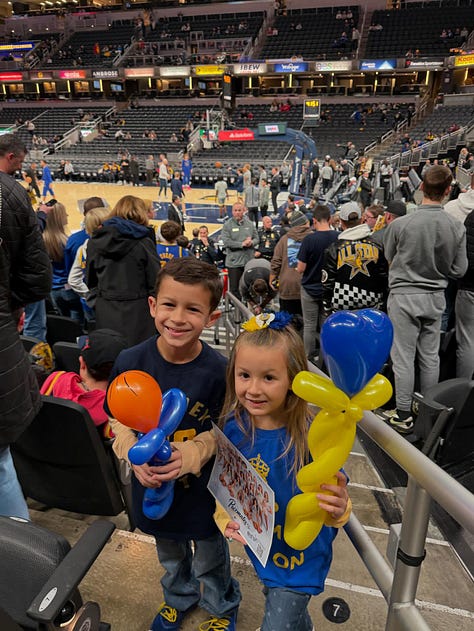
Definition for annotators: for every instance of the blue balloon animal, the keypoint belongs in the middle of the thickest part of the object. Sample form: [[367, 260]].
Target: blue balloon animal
[[154, 448]]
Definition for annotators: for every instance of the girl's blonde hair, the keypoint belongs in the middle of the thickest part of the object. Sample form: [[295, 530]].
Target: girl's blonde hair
[[133, 208], [95, 218], [297, 414], [54, 234]]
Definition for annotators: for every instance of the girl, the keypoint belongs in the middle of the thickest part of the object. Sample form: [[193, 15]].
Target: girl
[[265, 420], [66, 301]]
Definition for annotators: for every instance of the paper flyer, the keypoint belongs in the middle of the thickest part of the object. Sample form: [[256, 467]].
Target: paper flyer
[[245, 496]]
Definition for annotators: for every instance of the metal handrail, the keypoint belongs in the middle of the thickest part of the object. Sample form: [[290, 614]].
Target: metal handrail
[[427, 481]]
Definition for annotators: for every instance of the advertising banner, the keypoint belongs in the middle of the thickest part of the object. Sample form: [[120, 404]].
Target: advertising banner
[[378, 64], [249, 68], [291, 67], [235, 135]]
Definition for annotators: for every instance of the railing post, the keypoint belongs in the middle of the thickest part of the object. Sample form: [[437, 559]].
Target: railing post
[[410, 554]]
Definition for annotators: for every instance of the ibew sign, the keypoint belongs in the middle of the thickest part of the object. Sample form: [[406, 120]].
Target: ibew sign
[[250, 68]]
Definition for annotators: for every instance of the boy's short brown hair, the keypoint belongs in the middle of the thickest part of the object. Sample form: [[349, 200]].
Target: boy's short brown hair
[[192, 271], [169, 230]]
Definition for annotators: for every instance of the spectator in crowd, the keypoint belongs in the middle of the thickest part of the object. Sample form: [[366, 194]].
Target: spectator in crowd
[[366, 189], [93, 219], [175, 211], [254, 285], [168, 248], [251, 200], [284, 263], [395, 209], [134, 170], [239, 237], [204, 247], [163, 175], [354, 268], [275, 187], [99, 350], [65, 300], [310, 266], [326, 177], [25, 277], [373, 216], [122, 264], [423, 249], [30, 172], [268, 237]]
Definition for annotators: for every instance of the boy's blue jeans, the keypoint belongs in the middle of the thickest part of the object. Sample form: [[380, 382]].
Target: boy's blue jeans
[[186, 571], [285, 609]]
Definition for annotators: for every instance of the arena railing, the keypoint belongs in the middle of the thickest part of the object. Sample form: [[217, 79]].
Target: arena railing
[[427, 481]]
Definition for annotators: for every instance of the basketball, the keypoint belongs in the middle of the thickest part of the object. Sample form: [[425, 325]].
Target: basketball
[[218, 165], [134, 398]]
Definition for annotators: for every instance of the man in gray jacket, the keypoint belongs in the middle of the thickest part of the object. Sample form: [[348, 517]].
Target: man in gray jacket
[[240, 237], [423, 249]]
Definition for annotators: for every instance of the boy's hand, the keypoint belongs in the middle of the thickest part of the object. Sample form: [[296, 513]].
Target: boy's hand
[[170, 470], [232, 533], [335, 504], [146, 475]]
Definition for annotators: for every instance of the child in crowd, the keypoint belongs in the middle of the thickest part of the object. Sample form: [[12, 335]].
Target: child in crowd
[[187, 293], [168, 248], [265, 419], [99, 350]]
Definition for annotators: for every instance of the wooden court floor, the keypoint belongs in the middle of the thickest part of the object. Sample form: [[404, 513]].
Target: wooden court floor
[[69, 193]]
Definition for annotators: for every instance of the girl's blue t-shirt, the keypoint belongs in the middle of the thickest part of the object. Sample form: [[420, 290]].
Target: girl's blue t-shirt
[[298, 570]]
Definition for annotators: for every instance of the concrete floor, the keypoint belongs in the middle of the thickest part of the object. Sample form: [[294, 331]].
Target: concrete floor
[[125, 578]]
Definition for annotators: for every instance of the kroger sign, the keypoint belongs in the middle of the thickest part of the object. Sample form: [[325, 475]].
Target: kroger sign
[[301, 66]]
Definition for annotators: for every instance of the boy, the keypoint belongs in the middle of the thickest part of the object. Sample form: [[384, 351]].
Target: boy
[[187, 294], [98, 352]]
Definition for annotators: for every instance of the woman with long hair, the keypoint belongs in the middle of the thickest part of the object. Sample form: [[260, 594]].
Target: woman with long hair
[[121, 268], [66, 301]]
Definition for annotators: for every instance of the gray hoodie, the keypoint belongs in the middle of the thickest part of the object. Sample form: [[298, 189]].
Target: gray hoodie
[[461, 207]]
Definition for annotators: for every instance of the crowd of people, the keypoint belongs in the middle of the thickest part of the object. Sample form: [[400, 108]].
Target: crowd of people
[[151, 296]]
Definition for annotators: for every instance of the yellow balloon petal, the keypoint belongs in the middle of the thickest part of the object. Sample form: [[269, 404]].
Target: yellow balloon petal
[[377, 392], [319, 391]]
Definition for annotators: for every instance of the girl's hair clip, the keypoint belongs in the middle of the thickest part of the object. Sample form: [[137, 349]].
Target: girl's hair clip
[[274, 321]]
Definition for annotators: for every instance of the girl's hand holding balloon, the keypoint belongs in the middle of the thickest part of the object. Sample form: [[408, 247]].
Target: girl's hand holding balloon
[[335, 503]]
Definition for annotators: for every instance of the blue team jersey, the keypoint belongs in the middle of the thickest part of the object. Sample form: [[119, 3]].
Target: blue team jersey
[[297, 570]]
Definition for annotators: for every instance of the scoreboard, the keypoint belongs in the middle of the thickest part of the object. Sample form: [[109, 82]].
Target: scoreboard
[[311, 108]]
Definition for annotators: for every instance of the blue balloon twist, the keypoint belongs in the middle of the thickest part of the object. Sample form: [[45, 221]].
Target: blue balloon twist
[[155, 449]]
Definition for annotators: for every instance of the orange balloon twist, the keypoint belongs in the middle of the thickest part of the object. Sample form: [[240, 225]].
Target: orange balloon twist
[[330, 440]]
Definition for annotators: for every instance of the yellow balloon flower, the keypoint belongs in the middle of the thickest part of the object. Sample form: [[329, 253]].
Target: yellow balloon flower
[[330, 440]]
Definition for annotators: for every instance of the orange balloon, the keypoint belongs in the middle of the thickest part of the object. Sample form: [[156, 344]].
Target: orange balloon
[[134, 398]]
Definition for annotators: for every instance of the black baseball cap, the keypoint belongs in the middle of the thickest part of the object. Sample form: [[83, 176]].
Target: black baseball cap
[[396, 207], [101, 346]]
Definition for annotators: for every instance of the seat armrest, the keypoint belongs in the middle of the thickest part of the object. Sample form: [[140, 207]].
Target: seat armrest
[[69, 573]]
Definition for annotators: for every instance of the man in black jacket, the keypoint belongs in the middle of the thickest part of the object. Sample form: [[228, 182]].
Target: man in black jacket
[[275, 186], [175, 211], [25, 276]]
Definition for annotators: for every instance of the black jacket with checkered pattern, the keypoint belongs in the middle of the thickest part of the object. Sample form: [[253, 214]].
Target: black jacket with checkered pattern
[[355, 272]]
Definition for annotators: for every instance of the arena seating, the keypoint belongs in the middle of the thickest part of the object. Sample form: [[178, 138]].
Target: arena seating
[[409, 29], [82, 43], [318, 38], [438, 123]]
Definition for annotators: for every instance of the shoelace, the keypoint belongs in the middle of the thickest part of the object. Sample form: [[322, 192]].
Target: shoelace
[[215, 624], [170, 614]]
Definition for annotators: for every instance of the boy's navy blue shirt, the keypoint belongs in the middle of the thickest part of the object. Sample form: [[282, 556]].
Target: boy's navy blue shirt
[[203, 382]]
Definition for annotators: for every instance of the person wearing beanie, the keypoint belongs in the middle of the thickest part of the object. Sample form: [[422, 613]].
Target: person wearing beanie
[[394, 209], [284, 263], [354, 269]]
